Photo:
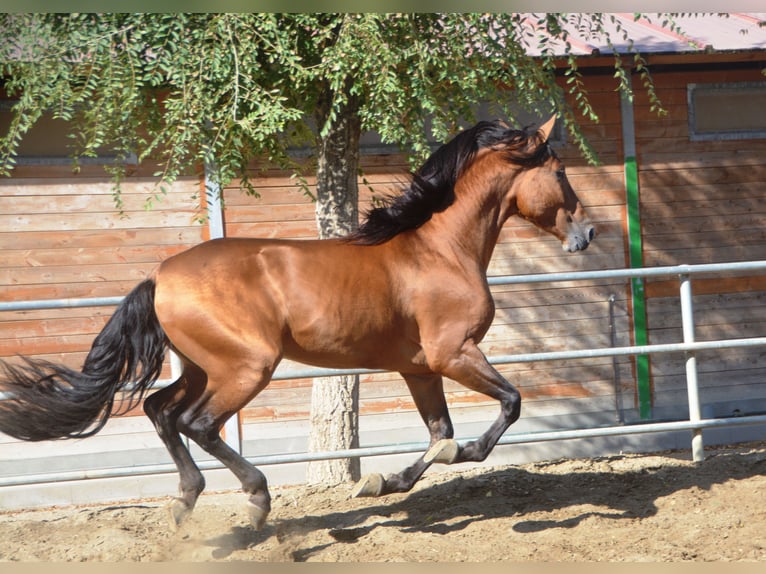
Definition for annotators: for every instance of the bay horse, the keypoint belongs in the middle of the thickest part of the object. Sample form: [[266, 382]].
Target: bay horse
[[406, 292]]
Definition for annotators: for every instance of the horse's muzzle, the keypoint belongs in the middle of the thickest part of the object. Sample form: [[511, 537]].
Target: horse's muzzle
[[580, 239]]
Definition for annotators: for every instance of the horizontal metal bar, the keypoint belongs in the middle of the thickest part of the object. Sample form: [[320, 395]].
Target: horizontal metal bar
[[403, 448], [551, 356], [59, 303], [311, 372], [158, 384], [630, 350], [735, 266]]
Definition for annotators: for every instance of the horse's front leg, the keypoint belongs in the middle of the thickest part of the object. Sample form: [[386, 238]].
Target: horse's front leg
[[471, 369], [428, 393]]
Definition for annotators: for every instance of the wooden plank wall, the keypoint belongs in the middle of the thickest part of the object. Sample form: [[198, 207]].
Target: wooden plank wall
[[61, 237], [702, 202]]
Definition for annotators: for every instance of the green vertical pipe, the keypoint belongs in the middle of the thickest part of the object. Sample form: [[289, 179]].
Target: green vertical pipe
[[635, 255], [638, 294]]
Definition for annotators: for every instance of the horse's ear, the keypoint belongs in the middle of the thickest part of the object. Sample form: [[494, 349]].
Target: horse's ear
[[547, 128]]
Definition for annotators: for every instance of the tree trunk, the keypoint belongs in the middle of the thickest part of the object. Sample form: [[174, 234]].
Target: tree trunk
[[335, 400]]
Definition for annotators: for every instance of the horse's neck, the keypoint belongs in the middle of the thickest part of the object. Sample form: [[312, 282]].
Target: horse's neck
[[471, 226]]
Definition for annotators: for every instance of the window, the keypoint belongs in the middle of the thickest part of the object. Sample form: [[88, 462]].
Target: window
[[48, 143], [727, 111]]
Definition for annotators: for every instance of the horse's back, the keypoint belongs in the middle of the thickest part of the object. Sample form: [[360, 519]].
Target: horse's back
[[318, 301]]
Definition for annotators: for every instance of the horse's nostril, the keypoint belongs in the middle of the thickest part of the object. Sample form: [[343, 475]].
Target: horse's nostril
[[591, 233]]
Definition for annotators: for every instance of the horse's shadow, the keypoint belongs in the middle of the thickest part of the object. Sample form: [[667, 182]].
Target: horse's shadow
[[452, 505]]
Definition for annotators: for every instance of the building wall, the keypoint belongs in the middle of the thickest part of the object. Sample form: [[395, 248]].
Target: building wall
[[61, 236], [702, 202]]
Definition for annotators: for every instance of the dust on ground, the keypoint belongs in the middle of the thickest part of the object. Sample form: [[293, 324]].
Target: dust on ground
[[657, 507]]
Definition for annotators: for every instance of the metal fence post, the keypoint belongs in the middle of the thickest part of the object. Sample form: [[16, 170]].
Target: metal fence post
[[232, 428], [692, 384]]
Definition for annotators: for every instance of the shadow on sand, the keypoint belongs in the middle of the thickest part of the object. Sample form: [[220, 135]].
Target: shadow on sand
[[510, 492]]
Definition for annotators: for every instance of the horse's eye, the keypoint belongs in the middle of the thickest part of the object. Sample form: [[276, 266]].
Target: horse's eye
[[561, 174]]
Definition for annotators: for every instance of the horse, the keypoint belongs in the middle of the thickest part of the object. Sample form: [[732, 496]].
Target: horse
[[406, 292]]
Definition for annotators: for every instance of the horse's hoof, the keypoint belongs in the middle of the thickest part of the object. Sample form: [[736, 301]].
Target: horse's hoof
[[177, 511], [370, 485], [445, 451], [257, 514]]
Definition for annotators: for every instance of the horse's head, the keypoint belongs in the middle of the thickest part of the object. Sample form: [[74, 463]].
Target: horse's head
[[544, 197]]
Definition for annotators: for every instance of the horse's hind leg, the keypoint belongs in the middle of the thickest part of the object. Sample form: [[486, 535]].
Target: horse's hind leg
[[428, 393], [202, 422], [163, 408]]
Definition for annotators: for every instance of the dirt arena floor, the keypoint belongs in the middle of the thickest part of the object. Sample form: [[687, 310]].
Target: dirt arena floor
[[626, 508]]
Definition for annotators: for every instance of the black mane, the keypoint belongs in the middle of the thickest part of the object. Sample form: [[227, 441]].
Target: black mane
[[433, 184]]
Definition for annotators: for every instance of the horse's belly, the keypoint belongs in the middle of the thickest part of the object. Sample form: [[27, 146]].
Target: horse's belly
[[372, 350]]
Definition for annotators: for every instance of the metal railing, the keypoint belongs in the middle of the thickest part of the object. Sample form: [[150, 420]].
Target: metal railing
[[695, 423]]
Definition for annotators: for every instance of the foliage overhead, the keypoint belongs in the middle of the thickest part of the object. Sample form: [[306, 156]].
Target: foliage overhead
[[186, 90]]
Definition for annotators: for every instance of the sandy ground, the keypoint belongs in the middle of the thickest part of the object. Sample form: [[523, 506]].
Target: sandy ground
[[658, 507]]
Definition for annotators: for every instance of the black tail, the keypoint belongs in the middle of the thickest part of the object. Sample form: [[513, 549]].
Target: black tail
[[49, 401]]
